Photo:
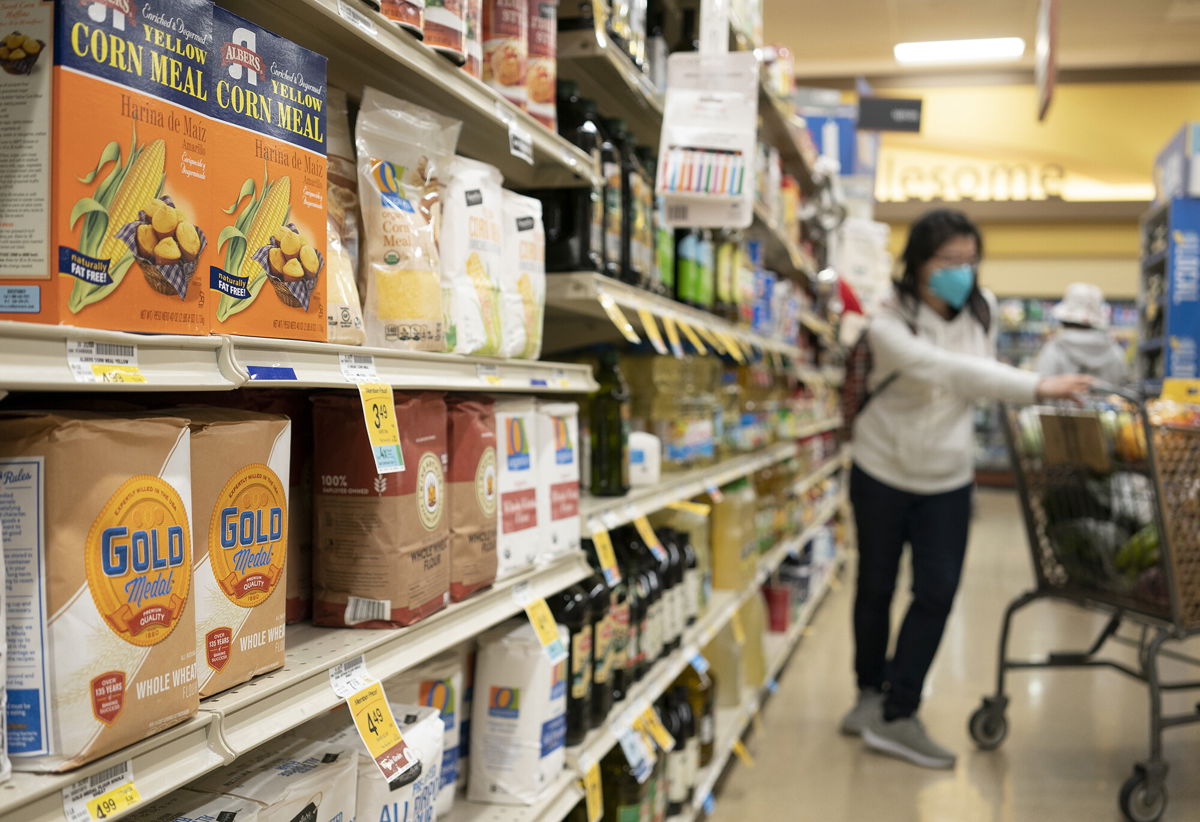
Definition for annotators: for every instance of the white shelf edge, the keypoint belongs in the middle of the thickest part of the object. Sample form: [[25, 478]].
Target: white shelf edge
[[555, 802]]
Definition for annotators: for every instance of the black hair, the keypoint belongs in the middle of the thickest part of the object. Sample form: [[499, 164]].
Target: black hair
[[925, 237]]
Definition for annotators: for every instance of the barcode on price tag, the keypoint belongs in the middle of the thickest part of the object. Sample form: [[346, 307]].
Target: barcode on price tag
[[358, 368], [92, 361], [488, 373], [100, 795]]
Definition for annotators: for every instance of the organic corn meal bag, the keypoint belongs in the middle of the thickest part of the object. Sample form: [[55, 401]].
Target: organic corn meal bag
[[344, 311], [472, 256], [240, 462], [186, 805], [96, 515], [437, 683], [473, 494], [380, 539], [523, 278], [403, 154]]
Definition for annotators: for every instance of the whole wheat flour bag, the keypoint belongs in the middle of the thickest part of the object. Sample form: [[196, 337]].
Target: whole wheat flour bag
[[240, 462], [472, 496], [437, 683], [523, 278], [471, 245], [403, 151], [342, 309], [381, 540], [518, 717], [519, 533], [96, 515], [186, 805], [558, 476], [292, 780]]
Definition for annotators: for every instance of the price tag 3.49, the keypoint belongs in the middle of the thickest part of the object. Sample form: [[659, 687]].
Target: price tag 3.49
[[606, 556], [100, 795], [379, 412], [374, 720]]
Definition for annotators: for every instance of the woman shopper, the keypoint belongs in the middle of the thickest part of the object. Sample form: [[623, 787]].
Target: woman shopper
[[1083, 344], [933, 349]]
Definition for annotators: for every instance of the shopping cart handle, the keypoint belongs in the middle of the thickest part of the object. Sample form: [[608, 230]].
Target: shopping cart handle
[[1101, 388]]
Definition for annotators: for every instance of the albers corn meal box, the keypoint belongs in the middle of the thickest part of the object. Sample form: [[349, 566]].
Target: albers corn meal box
[[267, 274], [106, 163]]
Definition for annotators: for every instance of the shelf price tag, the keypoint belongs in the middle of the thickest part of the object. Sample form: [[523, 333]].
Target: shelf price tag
[[593, 792], [711, 338], [373, 718], [692, 338], [605, 554], [101, 795], [699, 663], [714, 492], [92, 361], [379, 413], [488, 373], [618, 318], [358, 368], [651, 721], [709, 804], [356, 17], [636, 754], [673, 337], [542, 621], [739, 631], [739, 750], [649, 537], [651, 329], [698, 508], [735, 349], [520, 141]]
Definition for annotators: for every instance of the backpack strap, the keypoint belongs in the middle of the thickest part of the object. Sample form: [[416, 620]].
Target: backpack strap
[[911, 322]]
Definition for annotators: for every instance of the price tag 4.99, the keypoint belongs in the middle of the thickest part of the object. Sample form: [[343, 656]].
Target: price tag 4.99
[[101, 795], [379, 413]]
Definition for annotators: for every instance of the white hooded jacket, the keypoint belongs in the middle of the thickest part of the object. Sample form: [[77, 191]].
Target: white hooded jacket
[[1090, 351]]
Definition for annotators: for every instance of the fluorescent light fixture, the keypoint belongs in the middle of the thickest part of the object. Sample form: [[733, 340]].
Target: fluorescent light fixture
[[960, 51]]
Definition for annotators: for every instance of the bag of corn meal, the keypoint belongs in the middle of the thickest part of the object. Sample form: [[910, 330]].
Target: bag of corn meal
[[343, 309], [472, 494], [523, 278], [403, 153], [472, 255], [98, 551], [186, 805]]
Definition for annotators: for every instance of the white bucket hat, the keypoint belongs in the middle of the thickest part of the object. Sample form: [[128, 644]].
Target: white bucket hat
[[1083, 303]]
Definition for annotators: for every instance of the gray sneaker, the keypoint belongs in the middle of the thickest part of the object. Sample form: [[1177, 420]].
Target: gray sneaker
[[868, 708], [907, 739]]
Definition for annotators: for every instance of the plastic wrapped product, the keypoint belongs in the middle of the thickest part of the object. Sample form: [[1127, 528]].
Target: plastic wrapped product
[[446, 28], [343, 309], [519, 532], [403, 151], [472, 257], [523, 278], [506, 47], [558, 476], [472, 494], [518, 716], [186, 805]]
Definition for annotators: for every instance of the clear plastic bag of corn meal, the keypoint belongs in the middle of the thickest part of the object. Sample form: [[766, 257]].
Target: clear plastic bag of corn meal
[[343, 311], [523, 278], [403, 154], [472, 256]]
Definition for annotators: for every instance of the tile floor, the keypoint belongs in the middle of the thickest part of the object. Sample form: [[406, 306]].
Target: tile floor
[[1073, 738]]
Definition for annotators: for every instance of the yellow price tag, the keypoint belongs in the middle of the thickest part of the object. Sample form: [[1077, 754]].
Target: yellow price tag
[[379, 412], [739, 750], [739, 631], [118, 373], [114, 801], [652, 723], [605, 554], [735, 349], [690, 507], [377, 726], [1181, 390], [651, 329], [546, 629], [647, 740], [593, 793], [618, 318], [713, 339], [673, 336], [692, 338], [648, 536]]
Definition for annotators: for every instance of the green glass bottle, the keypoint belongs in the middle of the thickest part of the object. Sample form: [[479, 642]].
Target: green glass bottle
[[609, 429], [702, 697], [623, 795]]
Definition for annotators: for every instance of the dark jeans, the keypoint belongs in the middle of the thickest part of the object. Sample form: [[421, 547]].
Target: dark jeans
[[935, 526]]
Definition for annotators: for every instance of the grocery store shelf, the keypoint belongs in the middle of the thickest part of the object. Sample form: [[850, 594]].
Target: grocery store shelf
[[613, 512], [366, 49], [606, 74], [819, 427], [820, 327], [783, 129], [555, 803], [782, 254], [824, 471], [240, 719], [580, 293]]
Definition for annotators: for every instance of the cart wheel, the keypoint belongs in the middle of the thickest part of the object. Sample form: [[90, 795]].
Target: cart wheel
[[1141, 801], [988, 727]]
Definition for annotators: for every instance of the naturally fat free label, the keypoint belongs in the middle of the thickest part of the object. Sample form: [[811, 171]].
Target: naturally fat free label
[[248, 535], [138, 559]]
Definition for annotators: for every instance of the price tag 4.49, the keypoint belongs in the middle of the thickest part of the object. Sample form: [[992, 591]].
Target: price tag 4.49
[[379, 413], [373, 718], [101, 795]]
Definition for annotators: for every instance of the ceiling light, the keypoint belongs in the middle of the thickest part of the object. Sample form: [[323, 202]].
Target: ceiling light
[[961, 51]]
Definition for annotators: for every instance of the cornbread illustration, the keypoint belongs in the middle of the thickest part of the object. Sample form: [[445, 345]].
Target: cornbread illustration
[[19, 53]]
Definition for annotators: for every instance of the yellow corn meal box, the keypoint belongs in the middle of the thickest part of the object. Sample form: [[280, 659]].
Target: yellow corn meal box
[[104, 215], [267, 276]]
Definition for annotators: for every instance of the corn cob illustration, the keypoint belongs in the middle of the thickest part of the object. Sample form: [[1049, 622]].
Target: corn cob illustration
[[265, 217], [139, 187]]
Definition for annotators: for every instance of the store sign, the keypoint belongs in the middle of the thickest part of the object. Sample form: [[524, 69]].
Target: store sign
[[955, 178], [888, 114]]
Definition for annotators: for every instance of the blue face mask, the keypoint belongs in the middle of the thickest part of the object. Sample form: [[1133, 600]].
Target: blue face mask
[[953, 285]]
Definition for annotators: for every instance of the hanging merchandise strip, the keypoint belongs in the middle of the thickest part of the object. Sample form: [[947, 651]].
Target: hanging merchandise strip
[[605, 554], [542, 621], [374, 720], [651, 329], [739, 749], [693, 338], [91, 361], [101, 795], [618, 318], [673, 337], [709, 337], [649, 537]]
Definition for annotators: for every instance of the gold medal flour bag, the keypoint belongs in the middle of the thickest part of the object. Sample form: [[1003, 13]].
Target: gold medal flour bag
[[471, 245], [381, 540], [472, 495], [101, 615], [403, 151]]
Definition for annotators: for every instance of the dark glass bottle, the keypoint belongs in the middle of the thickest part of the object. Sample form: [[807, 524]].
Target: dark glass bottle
[[624, 640], [702, 697], [571, 609], [690, 742], [578, 813], [671, 540], [641, 590], [619, 136], [623, 794], [655, 616], [689, 33], [668, 711], [612, 171], [574, 218], [643, 225], [600, 598], [608, 428], [691, 578]]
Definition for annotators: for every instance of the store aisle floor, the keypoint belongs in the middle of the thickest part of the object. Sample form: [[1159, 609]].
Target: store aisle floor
[[1073, 735]]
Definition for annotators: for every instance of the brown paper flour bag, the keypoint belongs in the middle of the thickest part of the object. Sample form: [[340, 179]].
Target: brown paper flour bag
[[472, 495]]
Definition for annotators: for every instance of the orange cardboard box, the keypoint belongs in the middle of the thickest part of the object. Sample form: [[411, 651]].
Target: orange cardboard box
[[104, 214], [267, 273]]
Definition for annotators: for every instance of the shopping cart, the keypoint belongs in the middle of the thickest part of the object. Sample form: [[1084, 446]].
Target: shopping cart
[[1111, 499]]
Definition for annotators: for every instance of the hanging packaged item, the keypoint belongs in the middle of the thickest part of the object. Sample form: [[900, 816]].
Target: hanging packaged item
[[541, 72], [446, 28], [472, 257], [523, 278], [268, 276], [344, 312], [185, 805], [380, 539], [518, 529], [240, 465], [472, 494], [104, 224], [473, 14], [558, 476], [518, 716], [436, 684], [101, 613], [403, 153], [292, 779], [407, 14], [506, 48]]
